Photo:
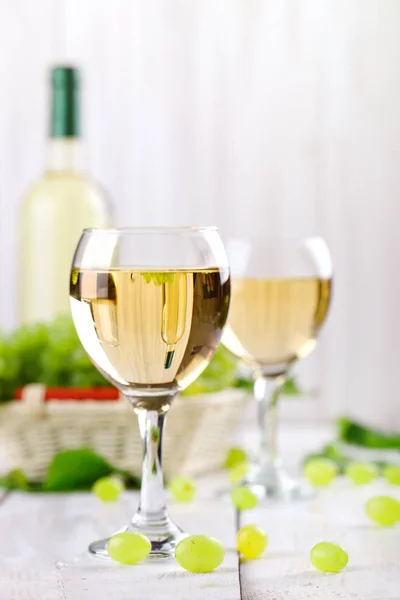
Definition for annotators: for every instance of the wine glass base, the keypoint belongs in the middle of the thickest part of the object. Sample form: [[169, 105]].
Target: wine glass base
[[297, 491], [163, 540], [272, 483]]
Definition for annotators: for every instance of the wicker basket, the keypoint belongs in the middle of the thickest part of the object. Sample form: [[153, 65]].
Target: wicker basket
[[198, 432]]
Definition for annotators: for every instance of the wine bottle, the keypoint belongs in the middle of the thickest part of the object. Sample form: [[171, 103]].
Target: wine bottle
[[56, 209]]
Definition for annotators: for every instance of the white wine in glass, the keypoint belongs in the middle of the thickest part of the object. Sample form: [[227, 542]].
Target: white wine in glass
[[149, 306], [281, 291]]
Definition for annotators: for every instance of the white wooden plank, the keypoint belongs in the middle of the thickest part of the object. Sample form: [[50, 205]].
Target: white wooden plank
[[43, 529], [358, 218], [30, 37], [285, 572], [263, 114]]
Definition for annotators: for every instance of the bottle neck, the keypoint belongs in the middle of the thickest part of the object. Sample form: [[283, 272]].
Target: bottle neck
[[64, 146], [65, 154], [65, 102]]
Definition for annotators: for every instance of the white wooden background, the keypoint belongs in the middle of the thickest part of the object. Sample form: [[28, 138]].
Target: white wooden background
[[271, 114]]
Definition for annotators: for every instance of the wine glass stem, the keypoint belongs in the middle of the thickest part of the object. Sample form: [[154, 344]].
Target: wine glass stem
[[152, 508], [266, 393]]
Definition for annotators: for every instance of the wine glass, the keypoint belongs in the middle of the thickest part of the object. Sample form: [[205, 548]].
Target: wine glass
[[281, 291], [149, 306]]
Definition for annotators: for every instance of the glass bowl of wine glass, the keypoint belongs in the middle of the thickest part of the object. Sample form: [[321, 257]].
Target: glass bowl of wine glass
[[281, 293]]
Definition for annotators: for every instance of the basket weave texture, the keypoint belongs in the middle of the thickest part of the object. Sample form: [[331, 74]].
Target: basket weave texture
[[198, 432]]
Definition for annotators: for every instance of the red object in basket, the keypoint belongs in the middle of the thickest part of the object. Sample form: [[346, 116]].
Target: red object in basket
[[60, 393]]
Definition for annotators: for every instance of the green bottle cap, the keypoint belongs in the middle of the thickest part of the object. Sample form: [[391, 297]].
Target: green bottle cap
[[65, 102]]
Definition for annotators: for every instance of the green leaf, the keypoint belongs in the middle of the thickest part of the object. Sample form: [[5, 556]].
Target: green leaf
[[131, 481], [355, 433], [76, 469], [69, 471], [245, 384], [290, 387]]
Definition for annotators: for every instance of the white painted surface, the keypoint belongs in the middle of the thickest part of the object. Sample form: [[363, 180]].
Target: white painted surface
[[337, 515], [42, 531], [265, 114], [39, 530]]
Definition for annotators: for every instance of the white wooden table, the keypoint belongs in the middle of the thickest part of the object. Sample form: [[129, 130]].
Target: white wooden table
[[38, 531]]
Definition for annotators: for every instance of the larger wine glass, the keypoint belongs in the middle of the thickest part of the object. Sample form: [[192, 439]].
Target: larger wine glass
[[281, 290], [149, 306]]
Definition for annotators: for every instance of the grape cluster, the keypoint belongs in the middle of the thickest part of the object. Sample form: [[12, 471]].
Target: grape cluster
[[48, 353]]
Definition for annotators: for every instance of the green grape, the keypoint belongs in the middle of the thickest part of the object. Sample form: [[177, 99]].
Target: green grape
[[392, 474], [384, 510], [243, 498], [328, 557], [234, 457], [108, 489], [361, 473], [320, 471], [128, 547], [182, 488], [238, 472], [199, 553], [251, 541]]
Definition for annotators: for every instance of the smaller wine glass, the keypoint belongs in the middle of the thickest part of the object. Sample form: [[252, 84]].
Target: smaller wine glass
[[149, 306], [281, 292]]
